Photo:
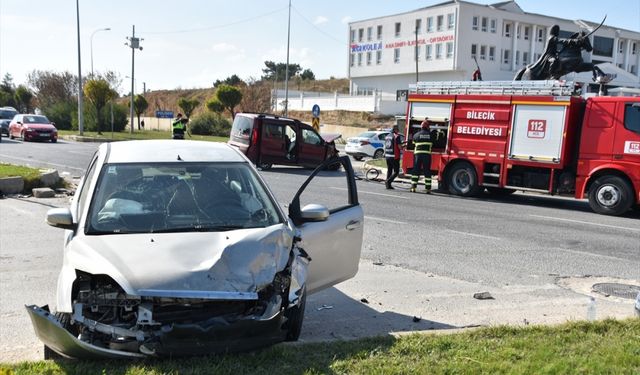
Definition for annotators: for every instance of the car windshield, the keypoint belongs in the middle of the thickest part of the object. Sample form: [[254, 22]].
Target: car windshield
[[179, 197], [7, 114], [366, 135], [35, 120]]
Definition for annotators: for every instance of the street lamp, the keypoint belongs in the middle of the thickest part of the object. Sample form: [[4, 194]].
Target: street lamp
[[80, 106], [91, 43], [134, 43]]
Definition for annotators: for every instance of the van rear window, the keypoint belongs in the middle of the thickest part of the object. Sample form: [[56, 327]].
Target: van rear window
[[241, 130]]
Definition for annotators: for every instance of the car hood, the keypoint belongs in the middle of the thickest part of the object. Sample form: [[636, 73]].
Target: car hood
[[330, 137], [40, 126], [188, 265]]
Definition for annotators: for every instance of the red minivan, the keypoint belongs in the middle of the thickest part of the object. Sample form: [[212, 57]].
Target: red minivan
[[269, 139]]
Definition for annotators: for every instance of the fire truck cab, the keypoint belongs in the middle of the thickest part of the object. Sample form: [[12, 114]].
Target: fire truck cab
[[536, 136]]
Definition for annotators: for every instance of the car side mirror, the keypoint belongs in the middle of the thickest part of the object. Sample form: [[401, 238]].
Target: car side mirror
[[19, 123], [60, 218], [314, 212]]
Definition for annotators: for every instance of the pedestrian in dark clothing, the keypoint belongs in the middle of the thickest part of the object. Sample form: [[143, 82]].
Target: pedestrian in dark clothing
[[422, 157], [392, 152]]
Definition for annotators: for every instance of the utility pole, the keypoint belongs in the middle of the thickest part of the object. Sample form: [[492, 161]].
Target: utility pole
[[134, 43], [80, 93], [416, 51], [144, 88], [286, 74]]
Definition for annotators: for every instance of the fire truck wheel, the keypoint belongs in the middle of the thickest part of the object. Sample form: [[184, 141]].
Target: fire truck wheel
[[610, 195], [462, 180]]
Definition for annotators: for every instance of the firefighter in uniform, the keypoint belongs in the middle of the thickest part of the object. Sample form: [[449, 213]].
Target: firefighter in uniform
[[422, 157]]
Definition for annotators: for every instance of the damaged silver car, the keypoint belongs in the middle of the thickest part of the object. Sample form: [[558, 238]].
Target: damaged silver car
[[179, 248]]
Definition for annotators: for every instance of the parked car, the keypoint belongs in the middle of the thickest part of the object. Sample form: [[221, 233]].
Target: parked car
[[33, 128], [6, 115], [267, 140], [179, 248], [367, 144]]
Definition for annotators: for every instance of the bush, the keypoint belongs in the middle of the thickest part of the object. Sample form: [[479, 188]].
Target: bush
[[120, 118], [62, 114], [209, 123]]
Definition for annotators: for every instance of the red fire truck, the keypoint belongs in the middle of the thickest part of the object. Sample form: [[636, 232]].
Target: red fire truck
[[535, 136]]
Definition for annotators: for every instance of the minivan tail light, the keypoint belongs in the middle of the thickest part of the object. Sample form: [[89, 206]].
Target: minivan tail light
[[254, 136]]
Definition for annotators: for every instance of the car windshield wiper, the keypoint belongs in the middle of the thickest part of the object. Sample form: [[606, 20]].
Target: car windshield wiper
[[200, 228]]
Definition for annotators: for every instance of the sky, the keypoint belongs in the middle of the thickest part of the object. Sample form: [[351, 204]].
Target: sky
[[192, 43]]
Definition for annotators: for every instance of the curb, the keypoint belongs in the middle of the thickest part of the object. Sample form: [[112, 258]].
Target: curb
[[15, 185], [79, 138]]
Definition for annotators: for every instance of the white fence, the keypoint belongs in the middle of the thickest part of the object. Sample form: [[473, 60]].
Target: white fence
[[365, 103]]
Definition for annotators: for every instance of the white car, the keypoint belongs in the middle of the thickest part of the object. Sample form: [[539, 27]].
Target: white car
[[370, 143], [179, 248]]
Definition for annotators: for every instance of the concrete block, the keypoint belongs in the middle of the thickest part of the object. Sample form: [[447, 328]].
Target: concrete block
[[43, 192], [11, 185], [49, 177]]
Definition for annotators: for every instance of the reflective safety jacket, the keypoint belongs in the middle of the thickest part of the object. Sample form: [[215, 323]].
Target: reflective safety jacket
[[422, 142], [178, 127]]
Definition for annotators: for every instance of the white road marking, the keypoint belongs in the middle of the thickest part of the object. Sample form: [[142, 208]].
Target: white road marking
[[384, 220], [586, 222], [474, 235], [371, 192], [590, 254], [39, 161]]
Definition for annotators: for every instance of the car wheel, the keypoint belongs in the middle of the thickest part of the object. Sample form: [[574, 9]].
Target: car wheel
[[22, 137], [333, 167], [54, 140], [462, 180], [265, 166], [65, 321], [610, 195], [379, 154], [295, 316], [358, 158], [11, 136]]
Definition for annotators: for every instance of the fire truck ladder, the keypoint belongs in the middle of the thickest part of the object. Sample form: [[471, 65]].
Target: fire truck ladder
[[550, 87]]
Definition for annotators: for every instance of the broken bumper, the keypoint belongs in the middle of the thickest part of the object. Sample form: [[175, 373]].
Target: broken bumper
[[175, 340]]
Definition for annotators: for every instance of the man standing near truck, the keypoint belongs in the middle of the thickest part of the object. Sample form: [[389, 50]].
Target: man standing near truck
[[392, 152], [422, 157]]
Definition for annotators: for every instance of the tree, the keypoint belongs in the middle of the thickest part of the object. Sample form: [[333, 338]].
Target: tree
[[7, 91], [308, 75], [214, 105], [278, 71], [99, 93], [256, 97], [23, 97], [51, 87], [139, 106], [233, 80], [229, 97], [188, 105]]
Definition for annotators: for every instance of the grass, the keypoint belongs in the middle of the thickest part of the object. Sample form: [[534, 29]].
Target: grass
[[31, 176], [141, 134], [604, 347]]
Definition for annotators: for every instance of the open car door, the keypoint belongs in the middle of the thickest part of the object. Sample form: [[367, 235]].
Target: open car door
[[330, 222]]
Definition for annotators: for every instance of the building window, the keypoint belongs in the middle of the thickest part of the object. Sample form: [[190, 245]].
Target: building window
[[621, 47], [602, 46], [416, 53], [429, 24], [353, 36], [492, 53], [438, 50], [632, 69], [493, 25], [474, 50], [517, 57], [429, 52], [396, 55], [540, 35], [360, 34], [485, 21], [360, 59], [620, 66], [440, 23], [368, 58], [351, 59], [397, 29], [526, 33], [419, 26], [525, 58], [451, 21], [506, 59], [369, 33], [507, 30], [379, 32], [378, 57], [483, 52], [449, 50], [518, 31], [474, 24], [633, 48]]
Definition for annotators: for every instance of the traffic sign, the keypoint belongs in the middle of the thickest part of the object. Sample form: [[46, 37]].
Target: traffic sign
[[315, 122], [315, 111], [164, 114]]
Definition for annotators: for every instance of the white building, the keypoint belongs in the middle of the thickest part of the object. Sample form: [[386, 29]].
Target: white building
[[502, 37]]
